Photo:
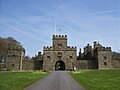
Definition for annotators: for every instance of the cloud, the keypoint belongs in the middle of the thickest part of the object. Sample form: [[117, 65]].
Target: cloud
[[25, 33], [73, 18], [107, 11]]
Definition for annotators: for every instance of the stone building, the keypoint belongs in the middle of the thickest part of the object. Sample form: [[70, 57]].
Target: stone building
[[36, 63], [115, 60], [14, 58], [59, 56], [98, 57]]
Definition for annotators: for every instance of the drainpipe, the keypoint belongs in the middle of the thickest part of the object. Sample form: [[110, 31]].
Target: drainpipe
[[21, 58]]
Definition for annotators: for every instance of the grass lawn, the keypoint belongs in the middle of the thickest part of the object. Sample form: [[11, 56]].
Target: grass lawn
[[98, 79], [19, 80]]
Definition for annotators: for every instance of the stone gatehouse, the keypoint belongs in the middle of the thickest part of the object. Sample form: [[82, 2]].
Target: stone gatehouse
[[59, 56]]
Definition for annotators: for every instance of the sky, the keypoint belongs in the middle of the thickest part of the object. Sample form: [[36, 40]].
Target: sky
[[33, 22]]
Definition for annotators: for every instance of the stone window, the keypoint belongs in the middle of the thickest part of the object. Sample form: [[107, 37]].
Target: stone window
[[48, 57], [59, 45], [105, 58], [13, 65], [59, 53], [105, 63], [9, 56], [13, 55], [70, 57]]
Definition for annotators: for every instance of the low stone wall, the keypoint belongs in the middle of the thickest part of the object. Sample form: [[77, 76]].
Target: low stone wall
[[116, 63], [87, 64], [28, 65], [38, 64], [32, 65], [115, 60]]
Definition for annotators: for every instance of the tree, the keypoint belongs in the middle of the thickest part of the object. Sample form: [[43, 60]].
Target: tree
[[3, 49], [12, 42], [5, 44]]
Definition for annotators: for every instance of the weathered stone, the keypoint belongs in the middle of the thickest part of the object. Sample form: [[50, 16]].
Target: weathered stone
[[14, 58], [60, 56], [60, 53]]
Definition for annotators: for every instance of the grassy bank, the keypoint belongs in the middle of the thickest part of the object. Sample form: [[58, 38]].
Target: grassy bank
[[98, 79], [19, 80]]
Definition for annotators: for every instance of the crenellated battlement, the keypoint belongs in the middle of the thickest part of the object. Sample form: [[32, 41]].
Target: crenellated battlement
[[71, 48], [104, 48], [59, 36], [47, 47]]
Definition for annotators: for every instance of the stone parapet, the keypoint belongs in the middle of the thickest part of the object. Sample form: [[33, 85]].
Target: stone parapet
[[47, 48], [71, 48], [60, 37], [104, 48]]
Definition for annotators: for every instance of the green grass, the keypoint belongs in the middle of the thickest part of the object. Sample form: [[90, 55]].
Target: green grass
[[98, 79], [19, 80]]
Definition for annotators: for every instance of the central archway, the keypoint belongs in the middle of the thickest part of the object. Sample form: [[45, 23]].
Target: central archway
[[60, 65]]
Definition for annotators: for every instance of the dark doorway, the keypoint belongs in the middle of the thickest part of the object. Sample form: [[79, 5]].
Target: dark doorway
[[60, 65]]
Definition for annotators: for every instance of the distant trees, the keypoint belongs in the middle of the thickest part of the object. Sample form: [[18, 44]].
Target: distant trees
[[5, 43], [12, 42]]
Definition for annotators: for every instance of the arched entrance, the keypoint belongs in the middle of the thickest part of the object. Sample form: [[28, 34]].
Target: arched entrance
[[60, 65]]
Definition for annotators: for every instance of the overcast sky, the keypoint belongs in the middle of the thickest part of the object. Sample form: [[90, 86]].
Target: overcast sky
[[32, 22]]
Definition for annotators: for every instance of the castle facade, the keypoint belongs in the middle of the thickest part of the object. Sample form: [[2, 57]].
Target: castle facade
[[60, 56]]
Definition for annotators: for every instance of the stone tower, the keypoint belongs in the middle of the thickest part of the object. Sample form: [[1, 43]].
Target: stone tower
[[59, 56], [103, 56], [15, 56]]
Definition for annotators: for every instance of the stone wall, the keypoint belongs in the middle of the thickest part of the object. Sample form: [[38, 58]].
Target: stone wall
[[38, 65], [28, 65], [87, 64], [14, 57], [59, 51], [2, 67], [98, 57], [104, 57], [115, 60], [51, 57], [32, 65], [115, 63]]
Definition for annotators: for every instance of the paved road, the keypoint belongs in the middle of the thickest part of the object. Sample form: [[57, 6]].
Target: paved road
[[56, 80]]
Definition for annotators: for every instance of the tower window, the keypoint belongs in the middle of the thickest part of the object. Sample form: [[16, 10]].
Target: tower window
[[70, 57], [59, 45], [48, 57], [59, 53], [13, 65], [105, 58], [9, 56], [105, 63], [13, 55]]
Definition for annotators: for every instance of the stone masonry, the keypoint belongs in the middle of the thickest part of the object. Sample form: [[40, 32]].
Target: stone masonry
[[15, 56], [59, 55]]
